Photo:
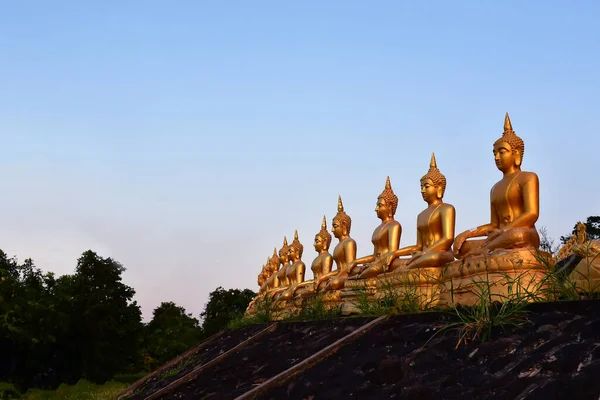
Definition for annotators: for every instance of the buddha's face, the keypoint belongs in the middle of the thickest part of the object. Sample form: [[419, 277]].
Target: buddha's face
[[319, 244], [337, 229], [429, 191], [283, 257], [383, 209], [504, 156], [292, 253]]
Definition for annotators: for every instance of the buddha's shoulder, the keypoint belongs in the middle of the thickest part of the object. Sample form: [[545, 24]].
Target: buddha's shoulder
[[525, 176], [348, 240], [446, 207], [394, 223]]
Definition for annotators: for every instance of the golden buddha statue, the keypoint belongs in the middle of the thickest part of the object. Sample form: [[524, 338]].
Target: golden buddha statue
[[344, 252], [579, 238], [435, 229], [284, 261], [514, 204], [385, 239], [261, 278], [322, 264], [295, 271], [272, 281], [264, 275]]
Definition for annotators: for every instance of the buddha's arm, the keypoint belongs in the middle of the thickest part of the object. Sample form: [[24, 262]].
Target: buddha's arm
[[479, 231], [300, 269], [448, 219], [531, 203], [406, 251], [483, 230], [394, 237], [363, 260], [327, 263]]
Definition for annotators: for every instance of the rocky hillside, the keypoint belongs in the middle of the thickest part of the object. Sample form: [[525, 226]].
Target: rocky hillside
[[551, 352]]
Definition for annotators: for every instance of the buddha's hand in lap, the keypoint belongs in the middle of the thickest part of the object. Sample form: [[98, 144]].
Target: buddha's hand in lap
[[493, 234], [414, 257], [459, 241]]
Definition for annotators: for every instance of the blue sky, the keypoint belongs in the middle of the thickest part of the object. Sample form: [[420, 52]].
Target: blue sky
[[185, 139]]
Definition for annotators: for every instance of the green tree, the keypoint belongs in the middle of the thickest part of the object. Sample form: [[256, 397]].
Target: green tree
[[592, 227], [107, 322], [222, 307], [171, 332]]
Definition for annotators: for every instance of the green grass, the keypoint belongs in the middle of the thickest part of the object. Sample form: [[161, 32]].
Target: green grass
[[82, 390], [393, 301]]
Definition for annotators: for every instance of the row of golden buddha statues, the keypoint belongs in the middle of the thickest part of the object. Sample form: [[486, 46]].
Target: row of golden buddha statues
[[507, 244]]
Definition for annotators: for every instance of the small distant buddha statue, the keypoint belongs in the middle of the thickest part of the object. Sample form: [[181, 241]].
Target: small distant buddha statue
[[322, 264], [284, 260], [295, 272], [324, 261], [344, 252], [385, 238], [435, 229], [273, 267], [263, 277], [514, 204]]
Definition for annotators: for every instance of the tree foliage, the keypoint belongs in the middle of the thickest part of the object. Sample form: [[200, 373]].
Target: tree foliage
[[87, 324], [223, 306], [592, 227], [171, 332]]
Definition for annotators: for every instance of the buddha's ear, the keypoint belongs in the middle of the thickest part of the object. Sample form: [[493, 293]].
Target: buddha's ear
[[439, 191], [518, 157]]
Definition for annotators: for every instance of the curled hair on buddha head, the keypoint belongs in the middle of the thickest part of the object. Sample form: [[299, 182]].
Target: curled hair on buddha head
[[389, 196], [284, 249], [274, 260], [509, 136], [438, 179], [297, 245], [341, 217], [323, 234]]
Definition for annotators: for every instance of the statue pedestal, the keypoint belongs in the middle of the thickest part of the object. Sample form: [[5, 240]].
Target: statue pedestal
[[353, 292], [500, 275], [586, 275], [417, 288]]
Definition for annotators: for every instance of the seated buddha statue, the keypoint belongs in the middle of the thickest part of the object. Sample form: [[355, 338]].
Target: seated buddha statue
[[263, 277], [295, 271], [514, 204], [344, 252], [385, 239], [284, 261], [435, 229], [322, 264], [272, 266]]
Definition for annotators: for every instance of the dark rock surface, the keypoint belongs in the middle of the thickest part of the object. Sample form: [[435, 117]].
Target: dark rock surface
[[554, 355], [288, 345], [224, 343]]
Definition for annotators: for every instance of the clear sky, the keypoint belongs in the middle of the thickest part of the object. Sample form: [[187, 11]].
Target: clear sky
[[186, 138]]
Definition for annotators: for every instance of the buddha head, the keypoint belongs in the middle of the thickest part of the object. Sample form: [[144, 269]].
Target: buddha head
[[274, 261], [387, 202], [267, 271], [433, 183], [509, 149], [341, 224], [323, 238], [295, 249], [283, 252], [261, 276]]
